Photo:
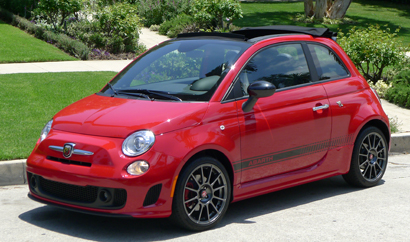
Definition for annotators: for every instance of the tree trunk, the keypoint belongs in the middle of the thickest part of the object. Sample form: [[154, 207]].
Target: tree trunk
[[309, 8], [320, 9], [339, 9]]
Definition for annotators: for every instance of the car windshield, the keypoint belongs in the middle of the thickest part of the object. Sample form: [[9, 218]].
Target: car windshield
[[178, 70]]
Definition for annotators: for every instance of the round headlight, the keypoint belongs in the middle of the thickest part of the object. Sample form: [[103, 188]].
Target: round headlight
[[46, 130], [138, 168], [138, 143]]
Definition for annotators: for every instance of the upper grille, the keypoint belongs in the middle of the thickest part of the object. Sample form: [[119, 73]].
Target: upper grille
[[70, 162]]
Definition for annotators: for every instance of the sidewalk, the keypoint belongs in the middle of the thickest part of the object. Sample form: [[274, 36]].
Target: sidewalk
[[13, 172]]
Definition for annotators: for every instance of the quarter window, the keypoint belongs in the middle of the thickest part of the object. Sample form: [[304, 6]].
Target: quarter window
[[328, 65]]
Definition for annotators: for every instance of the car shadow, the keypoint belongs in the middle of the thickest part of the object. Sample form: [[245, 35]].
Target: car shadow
[[98, 228]]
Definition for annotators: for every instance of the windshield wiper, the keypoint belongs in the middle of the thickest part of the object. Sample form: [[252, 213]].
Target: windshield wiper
[[158, 93], [135, 94], [112, 88]]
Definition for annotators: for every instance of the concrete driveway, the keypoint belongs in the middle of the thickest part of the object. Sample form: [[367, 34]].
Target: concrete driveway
[[327, 210]]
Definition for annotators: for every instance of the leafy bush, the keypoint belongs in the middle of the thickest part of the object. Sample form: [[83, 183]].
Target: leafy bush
[[399, 93], [56, 11], [62, 41], [372, 49], [212, 13], [181, 24], [114, 28], [159, 11]]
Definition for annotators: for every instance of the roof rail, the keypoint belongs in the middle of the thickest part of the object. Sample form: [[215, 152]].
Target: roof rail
[[253, 32]]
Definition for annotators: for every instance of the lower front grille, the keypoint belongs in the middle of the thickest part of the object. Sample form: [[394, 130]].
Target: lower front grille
[[86, 196]]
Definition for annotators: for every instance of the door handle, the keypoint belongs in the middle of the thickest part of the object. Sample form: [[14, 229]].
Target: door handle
[[326, 106]]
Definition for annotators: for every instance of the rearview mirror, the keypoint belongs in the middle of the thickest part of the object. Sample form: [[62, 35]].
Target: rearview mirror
[[257, 90]]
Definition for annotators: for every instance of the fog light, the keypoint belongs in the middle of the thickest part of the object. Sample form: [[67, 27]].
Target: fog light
[[138, 168], [105, 196]]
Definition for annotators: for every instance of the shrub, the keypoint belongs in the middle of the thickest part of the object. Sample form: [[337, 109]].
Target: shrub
[[181, 24], [159, 11], [212, 13], [114, 28], [372, 49], [399, 93]]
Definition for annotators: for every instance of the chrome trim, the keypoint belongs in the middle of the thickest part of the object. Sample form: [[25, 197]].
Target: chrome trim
[[326, 106], [75, 151]]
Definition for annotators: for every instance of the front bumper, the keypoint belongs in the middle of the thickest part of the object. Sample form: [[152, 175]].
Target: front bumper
[[99, 184]]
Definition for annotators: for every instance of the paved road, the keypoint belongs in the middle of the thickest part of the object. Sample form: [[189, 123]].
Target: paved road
[[327, 210]]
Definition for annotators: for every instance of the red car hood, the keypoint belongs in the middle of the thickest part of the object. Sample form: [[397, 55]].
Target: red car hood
[[118, 117]]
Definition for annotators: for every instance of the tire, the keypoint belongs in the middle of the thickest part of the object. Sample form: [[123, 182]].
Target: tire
[[202, 195], [369, 159]]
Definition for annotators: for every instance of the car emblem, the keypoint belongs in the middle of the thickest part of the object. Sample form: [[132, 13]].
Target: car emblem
[[204, 194], [68, 149]]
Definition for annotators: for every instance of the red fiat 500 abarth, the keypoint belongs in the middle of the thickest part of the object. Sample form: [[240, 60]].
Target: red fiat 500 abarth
[[207, 119]]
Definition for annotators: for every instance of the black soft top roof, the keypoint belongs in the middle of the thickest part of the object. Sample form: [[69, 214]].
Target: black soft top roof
[[253, 32]]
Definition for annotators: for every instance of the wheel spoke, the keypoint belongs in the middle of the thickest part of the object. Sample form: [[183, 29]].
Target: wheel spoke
[[213, 183], [377, 163], [202, 173], [193, 209], [219, 188], [210, 175], [193, 177], [374, 141], [364, 163], [213, 205], [219, 198], [377, 146], [207, 209], [191, 189], [375, 171], [365, 170], [192, 199], [200, 213]]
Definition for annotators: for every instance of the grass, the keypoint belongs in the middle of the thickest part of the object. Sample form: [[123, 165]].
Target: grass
[[363, 12], [18, 46], [29, 101]]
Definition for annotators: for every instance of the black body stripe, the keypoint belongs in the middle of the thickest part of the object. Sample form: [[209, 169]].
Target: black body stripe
[[284, 155]]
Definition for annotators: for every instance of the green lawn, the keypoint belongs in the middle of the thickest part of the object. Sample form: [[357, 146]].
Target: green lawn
[[18, 46], [362, 11], [29, 101]]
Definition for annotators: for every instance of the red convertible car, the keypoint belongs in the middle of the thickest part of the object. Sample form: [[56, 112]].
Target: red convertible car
[[207, 119]]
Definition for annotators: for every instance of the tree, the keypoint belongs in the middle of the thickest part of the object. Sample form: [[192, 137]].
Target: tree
[[56, 11], [333, 9]]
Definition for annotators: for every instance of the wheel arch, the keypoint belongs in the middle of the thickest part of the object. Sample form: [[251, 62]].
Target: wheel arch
[[380, 125]]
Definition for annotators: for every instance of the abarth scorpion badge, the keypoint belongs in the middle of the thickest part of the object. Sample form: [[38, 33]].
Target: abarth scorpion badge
[[68, 149]]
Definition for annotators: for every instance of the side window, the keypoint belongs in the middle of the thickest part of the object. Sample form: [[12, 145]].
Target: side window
[[282, 65], [328, 65]]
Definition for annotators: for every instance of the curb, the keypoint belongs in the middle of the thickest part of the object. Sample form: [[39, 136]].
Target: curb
[[14, 172]]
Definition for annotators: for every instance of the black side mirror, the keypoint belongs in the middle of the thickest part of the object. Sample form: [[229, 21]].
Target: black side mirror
[[257, 90]]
